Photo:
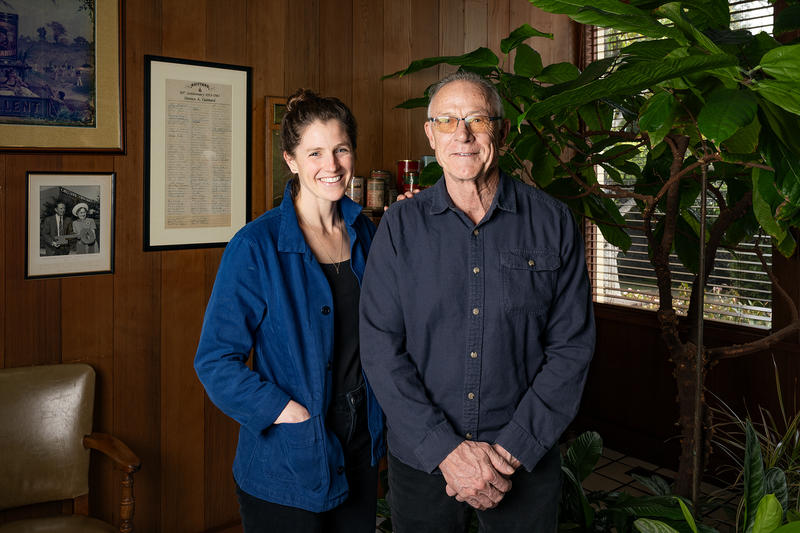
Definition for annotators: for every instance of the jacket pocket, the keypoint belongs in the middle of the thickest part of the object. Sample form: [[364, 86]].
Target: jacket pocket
[[301, 459], [529, 279]]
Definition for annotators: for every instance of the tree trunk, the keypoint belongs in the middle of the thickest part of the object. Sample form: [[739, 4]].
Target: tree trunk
[[686, 380]]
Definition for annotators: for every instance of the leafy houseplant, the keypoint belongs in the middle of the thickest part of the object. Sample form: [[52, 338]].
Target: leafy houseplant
[[696, 111]]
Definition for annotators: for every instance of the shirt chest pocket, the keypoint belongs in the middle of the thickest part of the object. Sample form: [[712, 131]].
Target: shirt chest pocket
[[529, 279]]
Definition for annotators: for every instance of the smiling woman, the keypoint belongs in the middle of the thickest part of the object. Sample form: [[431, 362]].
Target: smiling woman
[[288, 288]]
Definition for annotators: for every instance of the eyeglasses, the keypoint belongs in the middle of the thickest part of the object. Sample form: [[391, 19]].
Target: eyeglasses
[[475, 123]]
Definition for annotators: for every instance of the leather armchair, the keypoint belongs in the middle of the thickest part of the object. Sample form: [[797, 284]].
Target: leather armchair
[[45, 441]]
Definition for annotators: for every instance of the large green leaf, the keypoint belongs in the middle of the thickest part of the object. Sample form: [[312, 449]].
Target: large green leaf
[[583, 454], [687, 242], [574, 487], [608, 219], [783, 93], [775, 483], [782, 124], [726, 112], [687, 515], [744, 141], [791, 527], [753, 477], [482, 57], [769, 515], [708, 13], [674, 12], [610, 14], [648, 525], [627, 81], [783, 63], [519, 36], [657, 116], [414, 103], [559, 73], [528, 62], [657, 49]]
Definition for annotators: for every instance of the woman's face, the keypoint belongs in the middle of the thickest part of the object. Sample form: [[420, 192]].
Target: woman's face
[[81, 213], [323, 160]]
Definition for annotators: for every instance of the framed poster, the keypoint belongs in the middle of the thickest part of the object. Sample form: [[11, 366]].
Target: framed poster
[[70, 224], [197, 152], [60, 75], [278, 173]]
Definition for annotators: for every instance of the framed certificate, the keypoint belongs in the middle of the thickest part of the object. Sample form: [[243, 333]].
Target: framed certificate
[[197, 152]]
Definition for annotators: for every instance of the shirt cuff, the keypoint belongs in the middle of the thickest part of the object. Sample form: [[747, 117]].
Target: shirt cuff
[[437, 445], [521, 445]]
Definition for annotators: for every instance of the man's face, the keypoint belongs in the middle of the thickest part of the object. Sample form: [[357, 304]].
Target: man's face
[[463, 154], [60, 208]]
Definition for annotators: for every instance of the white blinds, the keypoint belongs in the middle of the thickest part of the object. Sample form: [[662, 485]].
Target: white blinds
[[738, 291]]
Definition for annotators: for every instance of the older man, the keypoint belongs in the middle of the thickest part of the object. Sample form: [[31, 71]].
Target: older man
[[476, 331], [53, 231]]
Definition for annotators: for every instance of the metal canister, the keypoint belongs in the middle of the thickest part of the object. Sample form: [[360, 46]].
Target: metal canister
[[355, 190], [403, 166], [376, 189]]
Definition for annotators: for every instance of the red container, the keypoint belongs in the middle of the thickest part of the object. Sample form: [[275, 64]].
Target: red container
[[403, 166]]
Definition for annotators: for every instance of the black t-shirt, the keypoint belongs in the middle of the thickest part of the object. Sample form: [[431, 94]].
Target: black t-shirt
[[346, 361]]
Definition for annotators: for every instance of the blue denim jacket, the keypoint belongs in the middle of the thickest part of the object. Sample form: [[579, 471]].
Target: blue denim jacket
[[272, 296]]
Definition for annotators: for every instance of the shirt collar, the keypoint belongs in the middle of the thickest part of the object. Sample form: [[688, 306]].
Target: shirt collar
[[505, 197], [290, 237]]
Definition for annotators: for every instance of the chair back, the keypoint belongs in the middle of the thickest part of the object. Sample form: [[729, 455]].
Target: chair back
[[45, 411]]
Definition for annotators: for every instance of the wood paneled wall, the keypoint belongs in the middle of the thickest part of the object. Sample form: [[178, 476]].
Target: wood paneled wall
[[139, 326]]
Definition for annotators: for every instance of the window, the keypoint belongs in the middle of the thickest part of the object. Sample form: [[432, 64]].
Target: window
[[738, 291]]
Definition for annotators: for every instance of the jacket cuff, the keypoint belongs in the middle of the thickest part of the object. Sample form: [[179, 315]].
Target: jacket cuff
[[267, 410], [521, 445], [437, 445]]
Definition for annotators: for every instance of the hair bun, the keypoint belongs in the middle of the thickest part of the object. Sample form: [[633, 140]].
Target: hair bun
[[299, 96]]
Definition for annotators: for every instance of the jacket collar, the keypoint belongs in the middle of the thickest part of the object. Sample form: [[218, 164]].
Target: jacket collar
[[505, 197], [290, 236]]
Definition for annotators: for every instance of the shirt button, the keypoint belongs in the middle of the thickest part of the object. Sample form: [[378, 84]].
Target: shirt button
[[471, 395], [326, 310], [475, 232], [531, 262], [340, 470], [329, 366], [468, 435], [476, 270], [474, 355], [476, 311]]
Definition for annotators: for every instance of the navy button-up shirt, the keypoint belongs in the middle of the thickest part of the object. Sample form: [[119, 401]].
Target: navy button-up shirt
[[481, 332]]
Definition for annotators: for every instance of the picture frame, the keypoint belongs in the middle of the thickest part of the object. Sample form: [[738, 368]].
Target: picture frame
[[197, 152], [82, 241], [277, 173], [61, 76]]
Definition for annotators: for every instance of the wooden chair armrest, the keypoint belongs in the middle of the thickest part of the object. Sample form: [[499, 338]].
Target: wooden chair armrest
[[115, 449]]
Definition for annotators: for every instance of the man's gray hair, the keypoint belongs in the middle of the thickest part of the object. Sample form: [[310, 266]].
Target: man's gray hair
[[495, 101]]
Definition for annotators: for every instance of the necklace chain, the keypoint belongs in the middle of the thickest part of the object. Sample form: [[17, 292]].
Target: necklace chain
[[319, 241]]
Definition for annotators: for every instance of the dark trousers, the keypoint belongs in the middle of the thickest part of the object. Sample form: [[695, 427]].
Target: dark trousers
[[347, 418], [420, 505]]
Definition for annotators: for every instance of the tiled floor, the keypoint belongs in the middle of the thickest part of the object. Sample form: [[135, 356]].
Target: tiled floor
[[614, 472]]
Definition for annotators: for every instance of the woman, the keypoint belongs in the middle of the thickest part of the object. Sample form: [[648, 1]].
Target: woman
[[288, 286], [84, 229]]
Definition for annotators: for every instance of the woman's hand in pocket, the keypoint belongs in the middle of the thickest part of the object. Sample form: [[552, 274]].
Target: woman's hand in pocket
[[293, 413]]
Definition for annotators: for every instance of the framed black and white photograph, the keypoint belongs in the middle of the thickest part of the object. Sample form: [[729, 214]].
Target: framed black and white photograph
[[197, 153], [60, 75], [70, 224]]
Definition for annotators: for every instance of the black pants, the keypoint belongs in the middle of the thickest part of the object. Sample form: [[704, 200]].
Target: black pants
[[420, 504], [347, 418]]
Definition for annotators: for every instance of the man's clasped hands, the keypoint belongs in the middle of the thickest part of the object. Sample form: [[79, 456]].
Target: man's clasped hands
[[478, 473]]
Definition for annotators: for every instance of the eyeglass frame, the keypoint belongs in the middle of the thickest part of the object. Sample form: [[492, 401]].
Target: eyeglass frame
[[433, 120]]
